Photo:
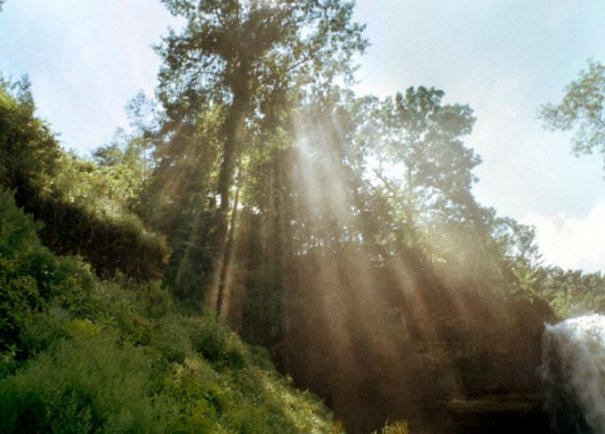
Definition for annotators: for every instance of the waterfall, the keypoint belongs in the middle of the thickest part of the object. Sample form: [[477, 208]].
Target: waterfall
[[573, 375]]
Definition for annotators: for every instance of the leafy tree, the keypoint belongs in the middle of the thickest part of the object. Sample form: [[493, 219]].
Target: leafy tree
[[581, 110], [419, 149], [410, 153], [248, 60], [180, 201], [571, 292], [28, 152], [518, 255], [82, 205]]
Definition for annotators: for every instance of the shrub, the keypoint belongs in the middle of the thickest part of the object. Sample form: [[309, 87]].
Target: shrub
[[48, 184], [154, 299], [215, 342], [172, 339], [20, 294], [32, 278], [87, 385], [400, 427]]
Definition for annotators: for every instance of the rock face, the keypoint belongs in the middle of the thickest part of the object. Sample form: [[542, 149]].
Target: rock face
[[446, 360], [502, 413]]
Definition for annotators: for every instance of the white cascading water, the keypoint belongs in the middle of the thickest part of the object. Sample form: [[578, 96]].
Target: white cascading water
[[573, 375]]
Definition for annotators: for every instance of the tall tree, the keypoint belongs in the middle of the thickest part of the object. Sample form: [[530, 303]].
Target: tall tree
[[415, 159], [249, 59], [581, 110]]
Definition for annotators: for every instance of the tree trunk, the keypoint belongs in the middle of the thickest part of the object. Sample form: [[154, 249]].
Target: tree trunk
[[226, 261], [234, 133]]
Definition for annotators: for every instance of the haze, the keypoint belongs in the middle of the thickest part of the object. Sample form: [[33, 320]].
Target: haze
[[504, 59]]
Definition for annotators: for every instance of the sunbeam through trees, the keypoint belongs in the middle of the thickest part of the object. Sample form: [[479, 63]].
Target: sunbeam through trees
[[263, 228]]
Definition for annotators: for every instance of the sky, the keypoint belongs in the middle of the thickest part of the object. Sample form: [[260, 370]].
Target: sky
[[504, 58]]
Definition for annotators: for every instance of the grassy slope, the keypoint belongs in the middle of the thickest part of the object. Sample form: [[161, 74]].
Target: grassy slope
[[79, 354]]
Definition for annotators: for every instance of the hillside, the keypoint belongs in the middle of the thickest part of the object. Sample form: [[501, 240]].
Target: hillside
[[81, 354], [118, 289]]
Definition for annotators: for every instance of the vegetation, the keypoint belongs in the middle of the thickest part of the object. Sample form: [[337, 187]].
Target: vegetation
[[395, 428], [83, 355], [573, 292], [81, 205], [337, 235], [581, 110]]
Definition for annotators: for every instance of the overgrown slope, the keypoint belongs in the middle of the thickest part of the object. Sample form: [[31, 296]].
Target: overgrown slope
[[69, 195], [79, 354]]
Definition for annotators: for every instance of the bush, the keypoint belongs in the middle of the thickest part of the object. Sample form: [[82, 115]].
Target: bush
[[21, 293], [80, 355], [48, 184], [32, 278], [155, 300], [87, 385], [172, 339], [395, 428], [215, 342]]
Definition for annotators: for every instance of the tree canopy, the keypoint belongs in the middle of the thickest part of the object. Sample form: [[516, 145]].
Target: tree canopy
[[338, 231], [581, 110], [245, 62]]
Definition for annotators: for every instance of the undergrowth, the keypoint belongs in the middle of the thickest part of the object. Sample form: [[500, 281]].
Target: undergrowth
[[84, 355]]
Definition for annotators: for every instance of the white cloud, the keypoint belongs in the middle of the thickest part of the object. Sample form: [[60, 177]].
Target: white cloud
[[574, 243]]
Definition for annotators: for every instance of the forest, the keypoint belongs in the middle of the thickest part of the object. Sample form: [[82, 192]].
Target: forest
[[265, 251]]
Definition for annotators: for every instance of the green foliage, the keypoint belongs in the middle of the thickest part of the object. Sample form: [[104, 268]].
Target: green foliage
[[420, 171], [245, 400], [581, 110], [216, 343], [268, 178], [82, 355], [18, 232], [253, 51], [571, 292], [248, 62], [154, 299], [27, 150], [108, 386], [179, 337], [19, 295], [32, 278], [118, 246], [82, 206], [84, 386], [178, 202]]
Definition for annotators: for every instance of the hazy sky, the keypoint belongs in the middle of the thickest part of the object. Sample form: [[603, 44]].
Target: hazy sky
[[504, 58]]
